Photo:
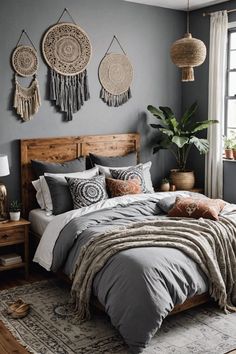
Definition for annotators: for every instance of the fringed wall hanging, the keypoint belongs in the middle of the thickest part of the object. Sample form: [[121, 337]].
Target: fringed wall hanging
[[25, 63], [67, 50], [115, 74]]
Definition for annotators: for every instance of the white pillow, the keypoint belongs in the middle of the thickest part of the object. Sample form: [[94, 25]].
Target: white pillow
[[45, 189], [146, 173], [39, 194]]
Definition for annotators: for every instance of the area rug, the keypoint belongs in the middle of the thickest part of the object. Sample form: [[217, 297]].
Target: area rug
[[51, 327]]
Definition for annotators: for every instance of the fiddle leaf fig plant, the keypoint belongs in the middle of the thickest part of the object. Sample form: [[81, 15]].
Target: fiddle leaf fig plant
[[179, 136]]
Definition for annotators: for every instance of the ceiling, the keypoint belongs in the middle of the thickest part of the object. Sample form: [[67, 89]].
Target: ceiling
[[179, 4]]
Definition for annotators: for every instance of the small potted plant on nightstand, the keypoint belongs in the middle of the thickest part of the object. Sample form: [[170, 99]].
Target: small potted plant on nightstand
[[14, 210], [165, 185]]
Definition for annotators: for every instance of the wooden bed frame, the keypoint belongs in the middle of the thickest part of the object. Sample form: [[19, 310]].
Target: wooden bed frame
[[68, 148]]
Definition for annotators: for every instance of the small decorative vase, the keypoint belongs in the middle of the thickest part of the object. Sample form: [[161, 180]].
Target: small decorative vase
[[165, 187], [15, 215], [229, 154]]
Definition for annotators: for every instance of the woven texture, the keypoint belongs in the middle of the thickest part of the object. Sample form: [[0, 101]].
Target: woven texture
[[187, 53], [51, 327], [24, 60], [115, 75], [66, 48], [212, 245]]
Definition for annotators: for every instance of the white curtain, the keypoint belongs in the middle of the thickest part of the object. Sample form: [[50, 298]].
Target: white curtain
[[217, 74]]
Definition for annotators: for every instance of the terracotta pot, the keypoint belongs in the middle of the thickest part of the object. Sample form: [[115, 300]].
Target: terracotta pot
[[229, 154], [234, 154], [165, 187], [183, 180]]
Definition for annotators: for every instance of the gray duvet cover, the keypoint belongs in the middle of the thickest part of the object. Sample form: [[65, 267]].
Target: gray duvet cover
[[137, 287]]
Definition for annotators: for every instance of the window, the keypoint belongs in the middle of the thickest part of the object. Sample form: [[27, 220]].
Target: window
[[230, 121]]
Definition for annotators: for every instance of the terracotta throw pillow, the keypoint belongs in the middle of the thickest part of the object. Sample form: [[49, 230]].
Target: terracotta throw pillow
[[118, 187], [197, 208]]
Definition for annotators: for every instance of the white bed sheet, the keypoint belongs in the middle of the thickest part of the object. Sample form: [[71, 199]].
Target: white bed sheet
[[39, 220]]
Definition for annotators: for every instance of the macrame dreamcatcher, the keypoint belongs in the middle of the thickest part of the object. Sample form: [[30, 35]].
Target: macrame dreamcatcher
[[67, 50], [115, 74], [25, 63]]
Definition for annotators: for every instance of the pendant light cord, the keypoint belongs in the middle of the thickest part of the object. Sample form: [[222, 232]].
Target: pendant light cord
[[188, 18]]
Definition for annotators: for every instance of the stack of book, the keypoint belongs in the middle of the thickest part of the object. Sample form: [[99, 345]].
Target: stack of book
[[8, 259]]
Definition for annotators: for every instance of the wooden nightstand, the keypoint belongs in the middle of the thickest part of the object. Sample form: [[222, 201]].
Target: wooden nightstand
[[14, 233]]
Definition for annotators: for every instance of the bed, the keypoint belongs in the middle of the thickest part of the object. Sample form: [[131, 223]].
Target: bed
[[68, 148]]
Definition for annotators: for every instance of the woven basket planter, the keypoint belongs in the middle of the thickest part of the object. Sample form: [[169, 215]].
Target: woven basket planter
[[183, 180]]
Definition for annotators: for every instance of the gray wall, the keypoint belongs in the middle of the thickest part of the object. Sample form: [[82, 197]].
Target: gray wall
[[145, 32], [198, 90]]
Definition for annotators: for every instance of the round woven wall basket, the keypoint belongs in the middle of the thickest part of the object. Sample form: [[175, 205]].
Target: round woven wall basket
[[66, 49], [115, 73], [24, 60], [186, 53]]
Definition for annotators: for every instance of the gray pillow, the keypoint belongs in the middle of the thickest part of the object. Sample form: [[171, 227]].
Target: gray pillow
[[167, 203], [41, 167], [87, 191], [115, 161], [60, 194]]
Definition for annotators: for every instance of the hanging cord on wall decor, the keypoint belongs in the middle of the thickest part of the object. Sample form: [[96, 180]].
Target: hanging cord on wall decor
[[115, 38], [27, 36], [68, 13]]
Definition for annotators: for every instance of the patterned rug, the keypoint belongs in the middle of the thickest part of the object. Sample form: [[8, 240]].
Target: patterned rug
[[51, 328]]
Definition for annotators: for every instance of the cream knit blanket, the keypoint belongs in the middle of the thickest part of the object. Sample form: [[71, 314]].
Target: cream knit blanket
[[211, 244]]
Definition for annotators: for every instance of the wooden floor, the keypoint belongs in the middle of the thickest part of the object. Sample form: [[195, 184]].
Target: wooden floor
[[8, 344]]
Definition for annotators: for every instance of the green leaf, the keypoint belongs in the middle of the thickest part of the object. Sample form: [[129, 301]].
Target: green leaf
[[156, 112], [167, 131], [201, 144], [174, 124], [189, 112], [180, 141], [202, 125], [167, 112]]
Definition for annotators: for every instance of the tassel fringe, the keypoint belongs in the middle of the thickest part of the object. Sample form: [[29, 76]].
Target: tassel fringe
[[27, 100], [69, 92], [114, 100]]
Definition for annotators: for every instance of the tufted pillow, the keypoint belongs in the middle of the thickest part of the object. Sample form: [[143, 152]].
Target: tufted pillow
[[85, 192], [117, 187], [130, 173], [197, 208]]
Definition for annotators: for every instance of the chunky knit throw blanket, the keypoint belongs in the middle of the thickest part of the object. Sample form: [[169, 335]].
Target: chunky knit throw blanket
[[211, 244]]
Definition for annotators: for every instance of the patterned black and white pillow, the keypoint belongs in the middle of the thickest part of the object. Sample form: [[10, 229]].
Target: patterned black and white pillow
[[130, 173], [87, 191]]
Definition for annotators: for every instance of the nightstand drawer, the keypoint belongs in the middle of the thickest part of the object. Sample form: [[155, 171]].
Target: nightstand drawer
[[13, 235]]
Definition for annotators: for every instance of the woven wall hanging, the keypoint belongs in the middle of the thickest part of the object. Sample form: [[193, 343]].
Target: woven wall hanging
[[67, 50], [25, 63], [115, 74]]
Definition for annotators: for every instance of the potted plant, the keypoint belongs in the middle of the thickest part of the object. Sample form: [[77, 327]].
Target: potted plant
[[14, 210], [178, 136], [228, 146], [165, 185], [234, 151]]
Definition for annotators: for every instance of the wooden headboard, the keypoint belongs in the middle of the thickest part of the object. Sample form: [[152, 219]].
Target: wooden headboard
[[65, 149]]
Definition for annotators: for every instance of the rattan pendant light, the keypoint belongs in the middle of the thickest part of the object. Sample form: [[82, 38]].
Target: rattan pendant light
[[188, 52]]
